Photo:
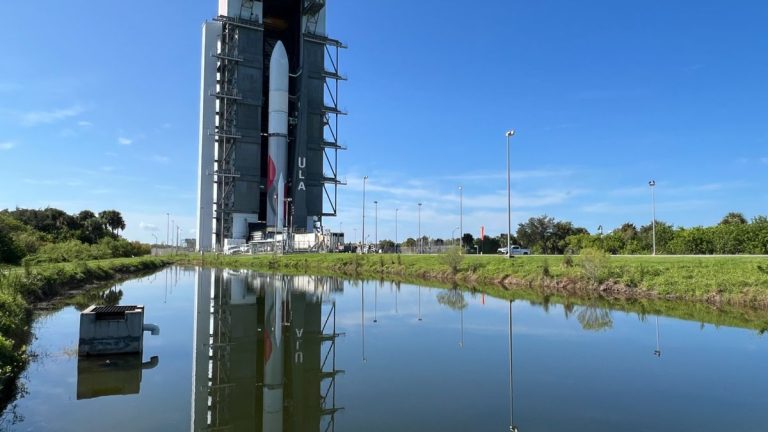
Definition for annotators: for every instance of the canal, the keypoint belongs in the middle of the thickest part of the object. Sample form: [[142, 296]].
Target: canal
[[240, 350]]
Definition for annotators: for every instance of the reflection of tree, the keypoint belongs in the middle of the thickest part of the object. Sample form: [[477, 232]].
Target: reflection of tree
[[594, 318], [453, 298], [109, 297]]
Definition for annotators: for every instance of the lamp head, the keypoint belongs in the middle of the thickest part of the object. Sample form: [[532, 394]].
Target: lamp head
[[652, 183], [510, 133]]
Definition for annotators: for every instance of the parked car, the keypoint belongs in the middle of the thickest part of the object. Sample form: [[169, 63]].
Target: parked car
[[516, 250]]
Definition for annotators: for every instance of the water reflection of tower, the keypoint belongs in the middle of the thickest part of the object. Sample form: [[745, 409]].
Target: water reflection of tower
[[657, 352], [264, 352]]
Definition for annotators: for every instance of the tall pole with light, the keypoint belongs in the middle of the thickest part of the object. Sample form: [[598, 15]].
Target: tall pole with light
[[461, 218], [510, 133], [396, 246], [420, 248], [365, 179], [652, 185], [376, 225]]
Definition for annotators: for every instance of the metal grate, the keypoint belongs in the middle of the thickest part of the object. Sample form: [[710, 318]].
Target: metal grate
[[115, 309]]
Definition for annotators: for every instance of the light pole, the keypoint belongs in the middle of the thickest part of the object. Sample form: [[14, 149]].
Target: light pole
[[155, 236], [168, 228], [396, 248], [420, 249], [376, 224], [652, 185], [509, 200], [461, 218], [365, 179]]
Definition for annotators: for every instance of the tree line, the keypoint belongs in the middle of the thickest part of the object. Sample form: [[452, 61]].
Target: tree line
[[734, 234], [53, 235]]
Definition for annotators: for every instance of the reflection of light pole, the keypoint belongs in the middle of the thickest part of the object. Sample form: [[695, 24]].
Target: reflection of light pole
[[509, 200], [420, 248], [397, 289], [461, 342], [362, 316], [365, 179], [652, 185], [461, 218], [657, 353], [375, 301], [419, 302], [512, 427]]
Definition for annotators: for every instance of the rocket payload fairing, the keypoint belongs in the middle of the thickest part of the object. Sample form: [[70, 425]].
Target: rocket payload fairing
[[278, 136]]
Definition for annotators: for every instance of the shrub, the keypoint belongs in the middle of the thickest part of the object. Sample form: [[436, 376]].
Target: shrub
[[594, 265], [453, 259]]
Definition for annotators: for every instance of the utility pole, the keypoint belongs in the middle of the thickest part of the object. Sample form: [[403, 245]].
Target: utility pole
[[461, 218]]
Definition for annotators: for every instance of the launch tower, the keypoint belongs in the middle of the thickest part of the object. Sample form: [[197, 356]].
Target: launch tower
[[269, 118]]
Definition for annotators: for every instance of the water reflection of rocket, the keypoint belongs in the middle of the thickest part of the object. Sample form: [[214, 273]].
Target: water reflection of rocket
[[264, 355], [273, 359], [278, 136]]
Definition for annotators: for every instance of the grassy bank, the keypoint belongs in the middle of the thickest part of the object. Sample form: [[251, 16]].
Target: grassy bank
[[733, 280], [22, 287], [723, 291]]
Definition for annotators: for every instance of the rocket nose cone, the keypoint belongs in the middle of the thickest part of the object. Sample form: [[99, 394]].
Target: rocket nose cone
[[278, 53], [278, 68]]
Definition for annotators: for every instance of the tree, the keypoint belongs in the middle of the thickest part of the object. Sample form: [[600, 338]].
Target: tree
[[488, 245], [733, 218], [113, 220], [467, 240], [452, 298], [10, 252], [594, 318], [546, 235]]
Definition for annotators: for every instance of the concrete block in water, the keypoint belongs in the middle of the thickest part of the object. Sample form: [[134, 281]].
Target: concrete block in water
[[113, 330]]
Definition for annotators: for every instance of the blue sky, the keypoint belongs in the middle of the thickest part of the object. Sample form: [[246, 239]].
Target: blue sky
[[99, 109]]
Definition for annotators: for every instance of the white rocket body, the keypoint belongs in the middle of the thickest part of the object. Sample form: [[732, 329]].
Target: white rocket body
[[277, 129]]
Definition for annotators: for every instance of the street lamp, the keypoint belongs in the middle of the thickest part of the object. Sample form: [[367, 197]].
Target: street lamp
[[461, 218], [365, 179], [509, 200], [652, 185], [396, 248], [420, 248], [376, 224]]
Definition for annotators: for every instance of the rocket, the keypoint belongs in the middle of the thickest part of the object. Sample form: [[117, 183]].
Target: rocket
[[277, 128]]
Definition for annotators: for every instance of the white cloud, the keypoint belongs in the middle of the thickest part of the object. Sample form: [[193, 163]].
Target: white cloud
[[7, 145], [84, 123], [124, 141], [148, 227], [34, 118]]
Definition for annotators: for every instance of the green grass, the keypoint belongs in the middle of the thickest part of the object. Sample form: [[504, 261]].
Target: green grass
[[723, 291], [739, 280]]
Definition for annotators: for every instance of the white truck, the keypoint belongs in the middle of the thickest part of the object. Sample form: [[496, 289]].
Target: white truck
[[516, 250]]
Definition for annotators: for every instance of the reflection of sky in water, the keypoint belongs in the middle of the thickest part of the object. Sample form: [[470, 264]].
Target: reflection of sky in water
[[417, 377]]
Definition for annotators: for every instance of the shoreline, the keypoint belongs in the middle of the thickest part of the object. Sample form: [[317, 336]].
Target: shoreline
[[23, 292], [543, 280]]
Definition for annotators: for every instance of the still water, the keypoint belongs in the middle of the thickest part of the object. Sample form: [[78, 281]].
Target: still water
[[257, 352]]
